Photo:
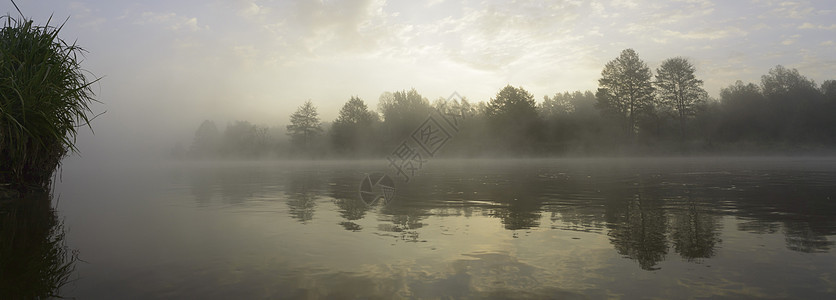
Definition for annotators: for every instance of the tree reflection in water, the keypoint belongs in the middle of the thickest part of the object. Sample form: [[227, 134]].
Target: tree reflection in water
[[345, 193], [647, 211], [302, 191], [35, 261], [694, 231], [638, 231]]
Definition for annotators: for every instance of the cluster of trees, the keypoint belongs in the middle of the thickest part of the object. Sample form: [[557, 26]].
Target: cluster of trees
[[632, 111]]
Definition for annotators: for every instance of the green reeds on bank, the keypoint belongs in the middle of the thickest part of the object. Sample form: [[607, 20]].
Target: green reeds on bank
[[44, 98]]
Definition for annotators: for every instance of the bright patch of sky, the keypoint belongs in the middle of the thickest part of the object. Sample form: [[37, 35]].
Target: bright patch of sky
[[179, 62]]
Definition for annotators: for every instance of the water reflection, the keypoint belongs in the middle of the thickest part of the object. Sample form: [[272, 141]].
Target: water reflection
[[303, 190], [34, 259], [345, 193], [638, 230], [648, 212], [694, 230]]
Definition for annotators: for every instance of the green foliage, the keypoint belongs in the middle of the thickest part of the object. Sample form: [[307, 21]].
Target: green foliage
[[625, 88], [44, 97]]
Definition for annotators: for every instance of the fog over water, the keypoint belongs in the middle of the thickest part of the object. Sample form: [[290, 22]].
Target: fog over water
[[707, 227], [440, 150]]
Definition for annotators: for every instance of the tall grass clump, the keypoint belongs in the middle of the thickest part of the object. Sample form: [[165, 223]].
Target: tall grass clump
[[44, 98]]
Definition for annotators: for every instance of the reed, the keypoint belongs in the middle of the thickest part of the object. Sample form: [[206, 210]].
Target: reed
[[45, 96]]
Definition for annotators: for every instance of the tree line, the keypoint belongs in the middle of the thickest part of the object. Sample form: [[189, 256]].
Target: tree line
[[633, 111]]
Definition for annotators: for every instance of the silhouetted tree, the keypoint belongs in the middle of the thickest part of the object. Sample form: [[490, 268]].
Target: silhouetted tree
[[354, 126], [571, 121], [304, 124], [402, 112], [678, 89], [743, 108], [828, 89], [455, 107], [558, 106], [794, 106], [513, 117], [473, 135], [782, 83], [625, 88]]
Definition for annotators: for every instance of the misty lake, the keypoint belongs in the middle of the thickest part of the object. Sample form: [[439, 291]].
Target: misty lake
[[472, 229]]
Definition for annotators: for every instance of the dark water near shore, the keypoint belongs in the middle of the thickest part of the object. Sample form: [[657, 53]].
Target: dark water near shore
[[569, 228]]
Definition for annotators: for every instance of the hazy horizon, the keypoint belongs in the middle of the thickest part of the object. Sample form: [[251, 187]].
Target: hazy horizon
[[168, 66]]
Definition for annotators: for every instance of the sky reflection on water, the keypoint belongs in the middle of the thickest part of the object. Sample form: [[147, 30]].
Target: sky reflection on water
[[468, 229]]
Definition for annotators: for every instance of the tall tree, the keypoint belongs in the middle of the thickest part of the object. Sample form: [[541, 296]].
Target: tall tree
[[304, 124], [743, 108], [625, 88], [678, 89], [787, 84], [354, 125], [512, 103], [794, 105], [402, 112], [513, 116], [403, 106]]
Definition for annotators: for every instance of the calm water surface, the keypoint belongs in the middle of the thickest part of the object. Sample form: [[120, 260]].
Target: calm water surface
[[570, 228]]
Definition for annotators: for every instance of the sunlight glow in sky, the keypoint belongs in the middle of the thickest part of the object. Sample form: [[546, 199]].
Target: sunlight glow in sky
[[170, 64]]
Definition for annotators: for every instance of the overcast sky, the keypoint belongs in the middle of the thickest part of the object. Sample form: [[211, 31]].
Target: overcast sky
[[169, 64]]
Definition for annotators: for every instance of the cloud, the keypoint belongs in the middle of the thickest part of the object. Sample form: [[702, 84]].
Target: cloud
[[170, 20], [496, 36], [624, 3], [88, 17], [808, 25], [760, 26], [707, 34], [252, 9], [788, 9]]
